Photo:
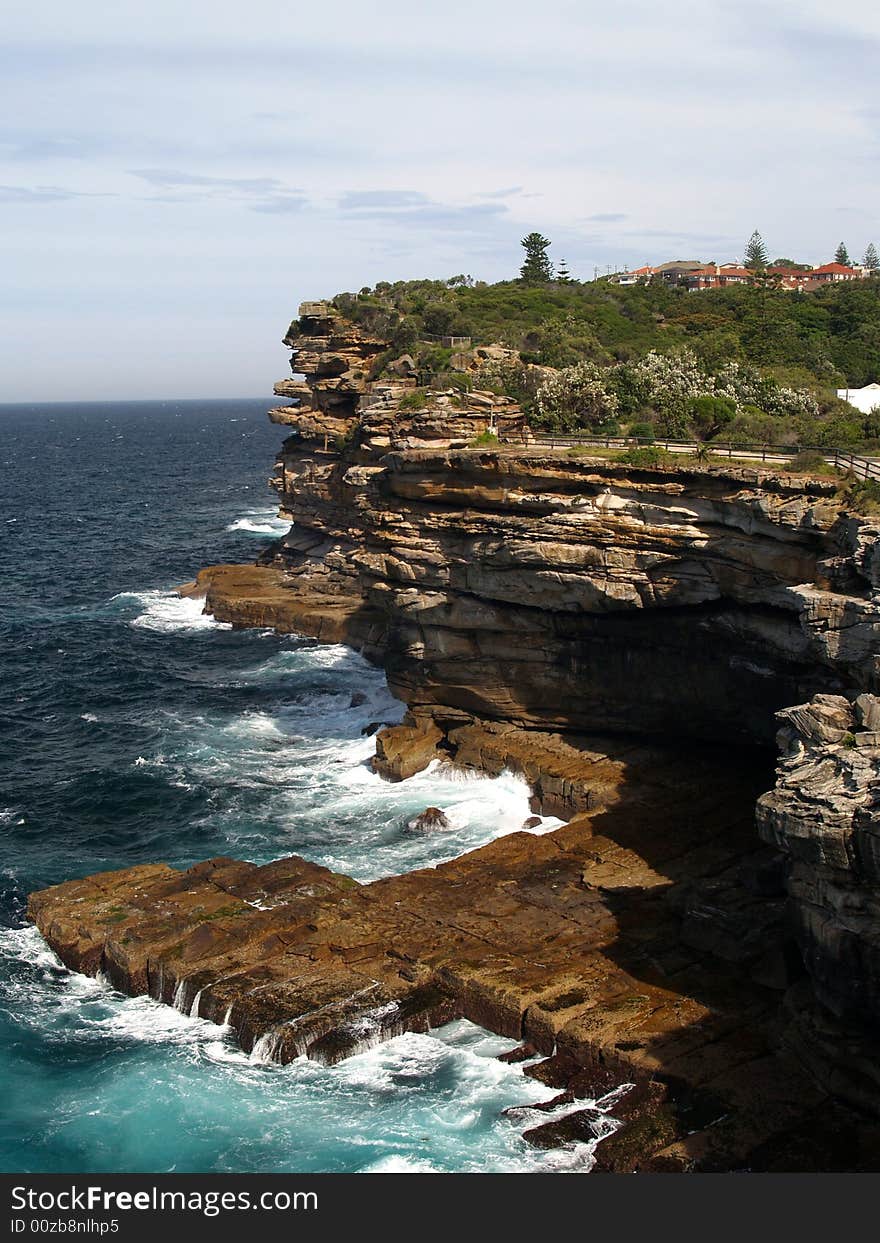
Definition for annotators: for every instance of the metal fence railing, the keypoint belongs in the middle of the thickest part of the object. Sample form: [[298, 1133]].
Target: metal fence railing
[[841, 459]]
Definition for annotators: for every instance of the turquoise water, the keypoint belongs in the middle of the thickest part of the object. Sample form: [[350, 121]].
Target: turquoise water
[[132, 729]]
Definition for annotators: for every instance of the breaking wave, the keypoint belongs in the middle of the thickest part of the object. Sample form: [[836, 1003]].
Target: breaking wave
[[140, 1086], [137, 728], [166, 611], [264, 522]]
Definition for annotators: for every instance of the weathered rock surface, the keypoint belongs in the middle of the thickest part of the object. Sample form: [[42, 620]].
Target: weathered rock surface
[[599, 629], [431, 820], [567, 941], [824, 814], [521, 600]]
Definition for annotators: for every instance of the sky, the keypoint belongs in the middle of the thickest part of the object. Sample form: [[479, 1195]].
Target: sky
[[176, 177]]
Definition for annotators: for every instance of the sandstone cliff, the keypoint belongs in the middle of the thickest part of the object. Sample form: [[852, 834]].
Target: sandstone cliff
[[631, 640], [554, 592]]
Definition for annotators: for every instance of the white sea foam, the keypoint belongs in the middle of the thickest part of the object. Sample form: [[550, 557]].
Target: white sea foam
[[417, 1103], [293, 776], [261, 522], [92, 1004], [401, 1165], [166, 612]]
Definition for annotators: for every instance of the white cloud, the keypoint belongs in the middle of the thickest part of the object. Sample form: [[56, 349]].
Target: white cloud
[[200, 168]]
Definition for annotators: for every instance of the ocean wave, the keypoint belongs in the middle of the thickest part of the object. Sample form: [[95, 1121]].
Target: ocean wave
[[93, 1004], [419, 1102], [260, 522], [166, 612]]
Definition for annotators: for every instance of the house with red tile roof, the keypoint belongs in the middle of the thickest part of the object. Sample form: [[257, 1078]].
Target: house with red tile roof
[[836, 272], [716, 276], [693, 275]]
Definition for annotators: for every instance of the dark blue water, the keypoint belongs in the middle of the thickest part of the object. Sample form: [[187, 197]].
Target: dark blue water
[[134, 729]]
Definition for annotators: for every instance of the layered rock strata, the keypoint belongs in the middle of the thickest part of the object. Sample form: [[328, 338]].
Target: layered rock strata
[[595, 945], [557, 593], [592, 625]]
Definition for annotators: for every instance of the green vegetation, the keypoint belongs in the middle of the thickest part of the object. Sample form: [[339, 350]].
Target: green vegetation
[[756, 252], [862, 495], [344, 443], [667, 362], [645, 455], [416, 400], [484, 439], [537, 268], [811, 462]]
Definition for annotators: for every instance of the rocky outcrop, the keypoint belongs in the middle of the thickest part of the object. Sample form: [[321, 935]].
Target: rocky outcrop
[[629, 639], [334, 359], [566, 593], [824, 814], [520, 598], [339, 402], [567, 942]]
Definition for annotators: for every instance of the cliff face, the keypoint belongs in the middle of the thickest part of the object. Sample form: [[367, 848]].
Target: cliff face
[[545, 591], [572, 594], [629, 639], [565, 592]]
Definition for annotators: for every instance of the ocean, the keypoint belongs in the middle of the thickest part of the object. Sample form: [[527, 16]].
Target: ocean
[[134, 729]]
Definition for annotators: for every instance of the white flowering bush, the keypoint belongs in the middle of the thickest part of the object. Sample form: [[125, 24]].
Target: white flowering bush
[[670, 383], [672, 376], [748, 387], [576, 397], [676, 388]]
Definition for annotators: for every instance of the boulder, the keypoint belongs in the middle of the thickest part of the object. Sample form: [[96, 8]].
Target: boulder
[[430, 820]]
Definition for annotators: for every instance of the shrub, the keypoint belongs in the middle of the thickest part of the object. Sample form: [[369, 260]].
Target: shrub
[[809, 461], [518, 380], [642, 431], [575, 397], [484, 438], [644, 455], [709, 415], [861, 495], [416, 400]]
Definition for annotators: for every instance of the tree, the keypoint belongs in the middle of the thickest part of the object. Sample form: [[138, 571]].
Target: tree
[[756, 252], [575, 398], [562, 273], [537, 268], [871, 259], [841, 255]]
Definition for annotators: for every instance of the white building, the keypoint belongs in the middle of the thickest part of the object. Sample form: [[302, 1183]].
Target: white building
[[865, 399]]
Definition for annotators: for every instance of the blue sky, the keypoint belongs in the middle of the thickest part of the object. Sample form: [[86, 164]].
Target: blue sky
[[175, 178]]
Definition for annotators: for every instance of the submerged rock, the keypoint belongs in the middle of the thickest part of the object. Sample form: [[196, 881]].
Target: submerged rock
[[431, 820]]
